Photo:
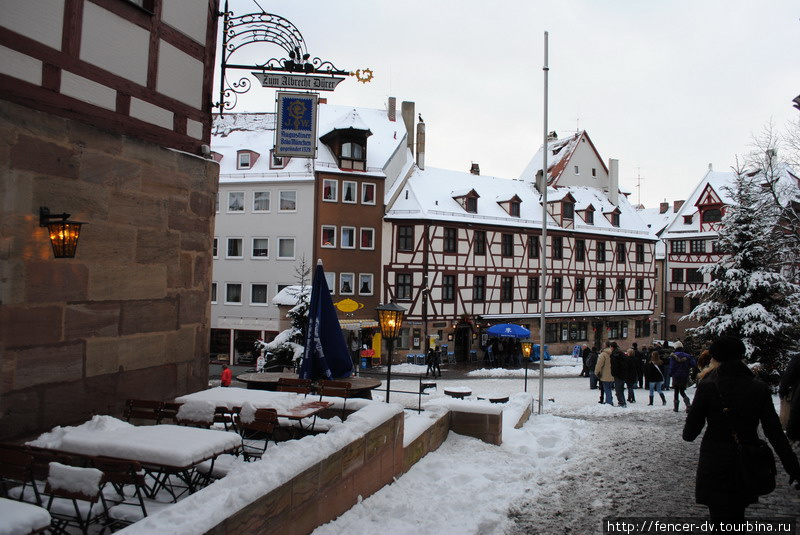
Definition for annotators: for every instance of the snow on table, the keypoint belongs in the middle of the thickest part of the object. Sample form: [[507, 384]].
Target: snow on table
[[231, 397], [20, 518]]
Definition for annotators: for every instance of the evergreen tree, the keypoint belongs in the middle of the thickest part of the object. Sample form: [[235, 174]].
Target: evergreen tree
[[749, 296]]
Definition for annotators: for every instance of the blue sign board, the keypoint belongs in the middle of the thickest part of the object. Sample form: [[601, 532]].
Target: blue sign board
[[296, 132]]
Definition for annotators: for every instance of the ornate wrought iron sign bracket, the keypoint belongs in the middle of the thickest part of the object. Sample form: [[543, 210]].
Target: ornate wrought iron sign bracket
[[298, 71]]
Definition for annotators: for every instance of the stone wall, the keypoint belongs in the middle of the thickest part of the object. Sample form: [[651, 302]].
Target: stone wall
[[129, 315]]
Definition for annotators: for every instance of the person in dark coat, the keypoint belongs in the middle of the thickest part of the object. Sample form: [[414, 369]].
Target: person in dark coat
[[591, 362], [655, 377], [632, 374], [749, 402], [789, 392], [680, 366], [585, 357], [619, 369]]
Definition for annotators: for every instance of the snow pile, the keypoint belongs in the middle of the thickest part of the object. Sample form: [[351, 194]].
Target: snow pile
[[85, 481], [19, 517]]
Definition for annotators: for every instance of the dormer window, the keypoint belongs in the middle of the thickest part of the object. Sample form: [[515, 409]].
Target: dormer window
[[712, 215], [568, 210], [588, 215], [615, 219], [277, 162], [246, 159], [514, 208], [511, 205], [468, 200]]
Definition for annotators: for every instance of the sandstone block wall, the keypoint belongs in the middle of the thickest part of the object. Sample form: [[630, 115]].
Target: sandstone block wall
[[129, 315]]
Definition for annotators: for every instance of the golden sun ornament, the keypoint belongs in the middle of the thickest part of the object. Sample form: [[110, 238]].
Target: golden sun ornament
[[363, 75]]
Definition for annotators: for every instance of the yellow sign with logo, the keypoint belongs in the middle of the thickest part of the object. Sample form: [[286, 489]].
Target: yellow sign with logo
[[348, 305]]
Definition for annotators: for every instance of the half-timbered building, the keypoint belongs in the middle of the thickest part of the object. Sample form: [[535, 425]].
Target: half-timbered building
[[105, 109], [463, 251]]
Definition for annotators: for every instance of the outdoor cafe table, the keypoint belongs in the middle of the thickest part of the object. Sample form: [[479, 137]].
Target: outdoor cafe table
[[287, 404], [360, 387], [163, 450]]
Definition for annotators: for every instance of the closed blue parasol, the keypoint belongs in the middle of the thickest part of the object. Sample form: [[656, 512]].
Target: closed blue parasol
[[508, 330], [326, 355]]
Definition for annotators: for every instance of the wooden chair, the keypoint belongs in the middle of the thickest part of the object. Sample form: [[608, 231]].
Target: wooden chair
[[299, 386], [128, 480], [169, 412], [142, 410], [225, 416], [338, 389], [16, 474], [264, 423], [69, 506]]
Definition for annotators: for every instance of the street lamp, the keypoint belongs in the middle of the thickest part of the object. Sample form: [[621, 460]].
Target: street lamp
[[63, 233], [390, 318], [526, 352]]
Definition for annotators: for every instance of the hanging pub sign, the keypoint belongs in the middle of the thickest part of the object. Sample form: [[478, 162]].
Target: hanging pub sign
[[296, 131], [295, 81]]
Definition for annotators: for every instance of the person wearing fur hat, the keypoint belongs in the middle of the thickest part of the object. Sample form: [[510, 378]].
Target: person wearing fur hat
[[747, 402]]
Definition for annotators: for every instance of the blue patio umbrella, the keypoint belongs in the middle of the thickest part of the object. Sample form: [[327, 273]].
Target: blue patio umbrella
[[508, 330], [326, 355]]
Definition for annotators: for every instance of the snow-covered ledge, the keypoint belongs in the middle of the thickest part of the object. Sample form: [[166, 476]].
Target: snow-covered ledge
[[298, 485]]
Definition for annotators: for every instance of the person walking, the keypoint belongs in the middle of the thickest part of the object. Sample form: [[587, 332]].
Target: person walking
[[585, 358], [680, 365], [619, 369], [643, 357], [789, 392], [655, 377], [429, 361], [632, 373], [591, 362], [226, 377], [603, 372], [733, 403]]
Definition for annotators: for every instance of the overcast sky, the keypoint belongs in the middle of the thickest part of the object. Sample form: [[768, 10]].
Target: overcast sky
[[666, 87]]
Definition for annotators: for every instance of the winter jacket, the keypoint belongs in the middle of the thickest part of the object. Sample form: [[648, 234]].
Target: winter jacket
[[619, 365], [603, 367], [591, 360], [790, 387], [226, 377], [653, 373], [749, 402], [680, 364], [634, 363]]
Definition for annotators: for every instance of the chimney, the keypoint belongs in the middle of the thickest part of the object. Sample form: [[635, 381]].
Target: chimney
[[421, 145], [552, 136], [710, 167], [663, 207], [676, 205], [613, 181], [392, 109], [407, 110], [475, 169]]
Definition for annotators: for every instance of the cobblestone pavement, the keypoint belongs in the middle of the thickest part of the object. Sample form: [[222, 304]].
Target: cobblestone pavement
[[650, 473]]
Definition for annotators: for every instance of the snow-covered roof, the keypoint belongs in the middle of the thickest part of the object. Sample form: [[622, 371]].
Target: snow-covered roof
[[559, 151], [290, 295], [428, 194]]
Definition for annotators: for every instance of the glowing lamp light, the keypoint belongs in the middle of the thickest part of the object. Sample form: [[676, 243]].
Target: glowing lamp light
[[390, 318], [64, 234]]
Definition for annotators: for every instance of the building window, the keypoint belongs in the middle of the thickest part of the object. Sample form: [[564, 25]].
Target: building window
[[367, 238], [712, 215], [600, 290], [233, 293], [243, 161], [557, 245], [277, 162], [677, 246], [641, 328], [472, 205], [594, 172], [577, 170], [601, 251], [687, 220], [449, 288], [347, 283], [506, 288], [403, 286], [328, 236], [330, 190], [533, 246], [479, 288], [568, 210], [480, 242], [349, 192], [677, 274], [589, 217], [580, 291], [580, 250], [697, 246], [348, 238], [258, 294], [261, 248], [558, 288], [615, 219], [621, 254], [286, 248], [507, 245], [533, 289], [287, 201], [405, 238], [353, 156], [235, 201], [639, 290], [261, 201], [693, 275], [449, 240], [330, 280], [215, 248], [235, 249], [213, 293], [640, 253], [678, 304], [365, 284], [552, 332], [620, 289], [514, 209], [367, 193]]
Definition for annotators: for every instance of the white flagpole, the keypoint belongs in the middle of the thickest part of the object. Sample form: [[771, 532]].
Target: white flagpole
[[543, 255]]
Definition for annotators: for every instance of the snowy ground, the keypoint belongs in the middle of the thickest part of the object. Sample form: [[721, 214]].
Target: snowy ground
[[562, 472]]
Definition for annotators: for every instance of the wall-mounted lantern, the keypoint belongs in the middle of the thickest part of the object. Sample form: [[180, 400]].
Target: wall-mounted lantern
[[64, 233]]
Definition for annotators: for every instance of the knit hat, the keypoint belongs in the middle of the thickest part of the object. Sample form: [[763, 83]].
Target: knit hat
[[677, 345], [727, 348]]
